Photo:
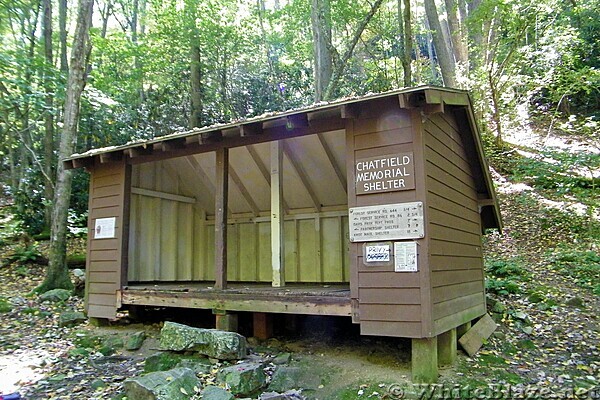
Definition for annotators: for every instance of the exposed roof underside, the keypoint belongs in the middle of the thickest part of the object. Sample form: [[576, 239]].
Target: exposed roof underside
[[312, 154]]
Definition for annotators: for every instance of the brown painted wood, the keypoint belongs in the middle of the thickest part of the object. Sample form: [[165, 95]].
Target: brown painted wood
[[262, 325], [405, 329], [472, 341], [252, 302], [221, 200], [389, 295], [450, 292]]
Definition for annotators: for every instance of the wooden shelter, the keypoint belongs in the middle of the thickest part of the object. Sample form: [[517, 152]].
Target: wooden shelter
[[371, 208]]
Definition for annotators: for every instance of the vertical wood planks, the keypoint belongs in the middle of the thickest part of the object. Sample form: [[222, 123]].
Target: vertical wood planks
[[221, 200], [277, 223]]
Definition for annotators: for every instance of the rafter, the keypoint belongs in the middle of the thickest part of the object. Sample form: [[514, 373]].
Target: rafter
[[302, 175]]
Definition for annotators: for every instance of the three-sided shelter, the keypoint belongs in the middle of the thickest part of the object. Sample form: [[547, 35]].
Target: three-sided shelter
[[371, 208]]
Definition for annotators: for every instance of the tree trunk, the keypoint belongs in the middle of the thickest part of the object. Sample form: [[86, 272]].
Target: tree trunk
[[49, 109], [62, 29], [445, 60], [456, 34], [57, 274], [341, 62], [196, 94], [320, 16], [196, 88], [408, 44]]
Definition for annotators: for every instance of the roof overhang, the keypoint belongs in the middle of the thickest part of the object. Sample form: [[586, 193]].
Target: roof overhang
[[317, 118]]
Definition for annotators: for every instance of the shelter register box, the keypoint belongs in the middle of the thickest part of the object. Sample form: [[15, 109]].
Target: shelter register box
[[371, 208]]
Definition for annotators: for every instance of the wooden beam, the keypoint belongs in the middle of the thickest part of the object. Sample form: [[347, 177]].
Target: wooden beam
[[221, 200], [163, 195], [251, 302], [336, 168], [195, 139], [110, 157], [349, 111], [277, 227], [264, 172], [138, 151], [245, 194], [203, 177], [211, 137], [80, 163], [296, 121], [251, 129], [302, 175], [174, 144]]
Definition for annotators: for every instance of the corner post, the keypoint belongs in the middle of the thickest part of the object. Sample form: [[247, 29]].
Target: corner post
[[277, 227], [447, 347], [424, 360], [221, 200]]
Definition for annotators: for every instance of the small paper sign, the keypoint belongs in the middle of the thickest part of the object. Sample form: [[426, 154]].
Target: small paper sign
[[105, 228], [405, 257], [377, 253]]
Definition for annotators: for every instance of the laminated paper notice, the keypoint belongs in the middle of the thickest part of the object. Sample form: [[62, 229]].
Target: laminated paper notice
[[104, 228], [377, 253], [405, 257]]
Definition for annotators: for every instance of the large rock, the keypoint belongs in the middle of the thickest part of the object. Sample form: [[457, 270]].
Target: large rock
[[176, 384], [215, 393], [289, 395], [244, 378], [135, 340], [210, 342], [71, 318], [55, 295], [287, 378], [164, 361]]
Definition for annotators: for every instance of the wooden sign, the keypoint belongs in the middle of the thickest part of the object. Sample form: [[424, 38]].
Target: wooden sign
[[386, 173], [386, 222]]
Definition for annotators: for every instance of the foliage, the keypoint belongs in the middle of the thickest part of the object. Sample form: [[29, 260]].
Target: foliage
[[581, 266], [24, 255], [29, 204], [504, 277]]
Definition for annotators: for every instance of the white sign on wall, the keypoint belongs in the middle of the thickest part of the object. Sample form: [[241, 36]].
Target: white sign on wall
[[105, 228], [405, 257], [377, 253], [387, 222]]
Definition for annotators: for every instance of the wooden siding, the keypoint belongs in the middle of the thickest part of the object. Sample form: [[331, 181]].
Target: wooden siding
[[389, 303], [454, 226], [172, 234], [109, 186]]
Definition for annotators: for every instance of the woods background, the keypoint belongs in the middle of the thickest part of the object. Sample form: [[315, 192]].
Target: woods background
[[156, 67]]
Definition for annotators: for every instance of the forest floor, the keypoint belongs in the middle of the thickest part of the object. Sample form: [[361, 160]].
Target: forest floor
[[543, 275]]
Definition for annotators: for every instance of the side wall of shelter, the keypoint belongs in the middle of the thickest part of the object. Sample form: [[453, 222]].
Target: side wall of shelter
[[172, 236], [108, 198], [454, 226], [389, 303]]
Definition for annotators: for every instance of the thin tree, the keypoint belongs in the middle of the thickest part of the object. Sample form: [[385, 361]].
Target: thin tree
[[57, 274], [445, 59], [49, 109]]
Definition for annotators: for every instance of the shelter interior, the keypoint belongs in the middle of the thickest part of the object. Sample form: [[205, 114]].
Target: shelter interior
[[172, 215]]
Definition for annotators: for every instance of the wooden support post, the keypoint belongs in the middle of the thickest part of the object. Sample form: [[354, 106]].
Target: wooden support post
[[277, 240], [462, 329], [447, 345], [424, 364], [221, 193], [262, 325], [226, 321]]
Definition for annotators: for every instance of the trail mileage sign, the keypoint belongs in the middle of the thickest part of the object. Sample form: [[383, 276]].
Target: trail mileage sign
[[386, 222]]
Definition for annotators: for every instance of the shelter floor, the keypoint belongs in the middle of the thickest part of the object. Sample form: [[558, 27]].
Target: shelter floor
[[310, 299]]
